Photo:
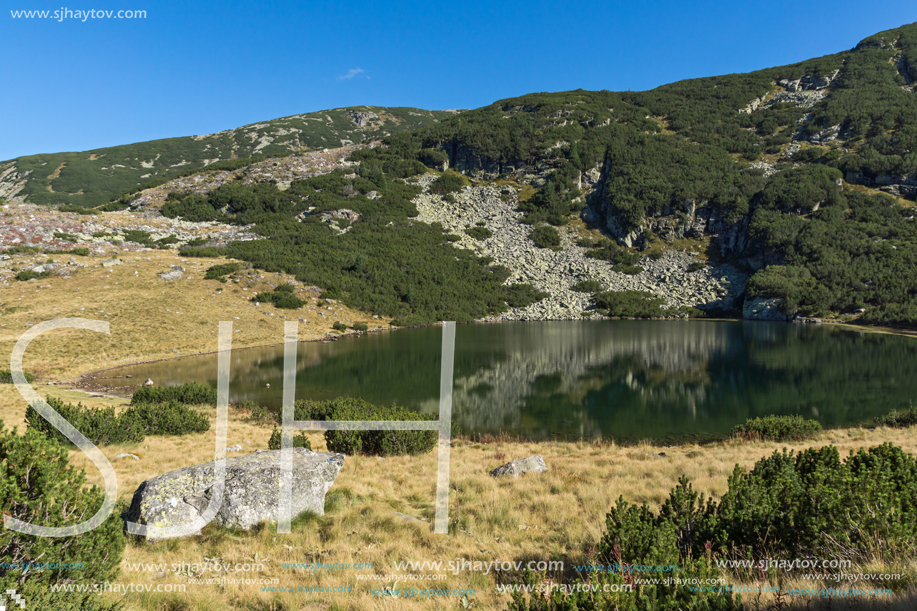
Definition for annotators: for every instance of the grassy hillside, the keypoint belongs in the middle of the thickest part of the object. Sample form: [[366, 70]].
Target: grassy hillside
[[91, 178]]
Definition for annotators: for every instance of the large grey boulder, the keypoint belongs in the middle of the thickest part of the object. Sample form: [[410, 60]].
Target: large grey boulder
[[251, 494], [532, 464]]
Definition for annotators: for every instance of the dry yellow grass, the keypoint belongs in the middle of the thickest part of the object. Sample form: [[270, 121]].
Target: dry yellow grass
[[149, 318]]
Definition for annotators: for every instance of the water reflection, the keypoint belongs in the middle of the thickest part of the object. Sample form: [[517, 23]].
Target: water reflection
[[621, 379]]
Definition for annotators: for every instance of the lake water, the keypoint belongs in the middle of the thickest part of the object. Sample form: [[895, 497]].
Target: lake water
[[626, 380]]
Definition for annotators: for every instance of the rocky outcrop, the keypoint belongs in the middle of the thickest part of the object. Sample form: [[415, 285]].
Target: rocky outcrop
[[251, 494], [555, 271]]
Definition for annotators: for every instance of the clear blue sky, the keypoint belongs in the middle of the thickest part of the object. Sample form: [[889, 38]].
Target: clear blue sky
[[193, 69]]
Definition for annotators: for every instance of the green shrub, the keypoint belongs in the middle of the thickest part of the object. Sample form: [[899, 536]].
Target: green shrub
[[257, 413], [80, 252], [339, 326], [449, 182], [614, 253], [623, 268], [38, 485], [299, 441], [696, 266], [360, 326], [632, 304], [169, 418], [218, 271], [27, 274], [190, 393], [6, 376], [281, 297], [522, 295], [210, 252], [78, 209], [777, 428], [479, 233], [545, 236], [66, 237], [898, 419], [380, 443], [100, 425], [587, 286]]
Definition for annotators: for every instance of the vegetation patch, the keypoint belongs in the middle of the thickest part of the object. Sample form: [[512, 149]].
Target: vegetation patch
[[629, 304], [190, 393], [902, 419], [545, 236], [777, 428]]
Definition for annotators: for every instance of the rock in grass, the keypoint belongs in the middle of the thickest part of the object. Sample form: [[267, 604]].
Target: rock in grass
[[251, 494], [532, 464]]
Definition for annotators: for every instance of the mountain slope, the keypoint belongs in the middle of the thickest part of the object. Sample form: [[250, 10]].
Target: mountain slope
[[91, 178]]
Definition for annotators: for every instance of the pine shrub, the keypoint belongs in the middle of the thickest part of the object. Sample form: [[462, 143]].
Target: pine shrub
[[777, 428], [100, 425], [38, 485], [190, 393], [299, 441], [170, 418]]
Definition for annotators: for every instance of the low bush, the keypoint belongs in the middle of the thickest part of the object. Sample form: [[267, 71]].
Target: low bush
[[78, 209], [696, 266], [522, 295], [339, 326], [80, 252], [208, 252], [898, 419], [281, 298], [100, 425], [479, 233], [6, 376], [66, 237], [218, 271], [449, 182], [299, 441], [39, 486], [360, 326], [190, 393], [256, 413], [777, 428], [27, 274], [545, 236], [623, 268], [587, 286], [379, 443], [631, 304], [170, 418]]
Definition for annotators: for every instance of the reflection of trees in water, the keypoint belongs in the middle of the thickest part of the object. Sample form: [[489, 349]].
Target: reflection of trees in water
[[625, 379]]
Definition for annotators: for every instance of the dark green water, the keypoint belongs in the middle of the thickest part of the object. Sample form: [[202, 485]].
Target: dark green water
[[626, 380]]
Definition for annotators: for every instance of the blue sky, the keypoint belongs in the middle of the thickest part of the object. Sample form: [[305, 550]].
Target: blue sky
[[193, 69]]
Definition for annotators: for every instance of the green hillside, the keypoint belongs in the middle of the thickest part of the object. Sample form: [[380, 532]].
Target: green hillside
[[90, 178]]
